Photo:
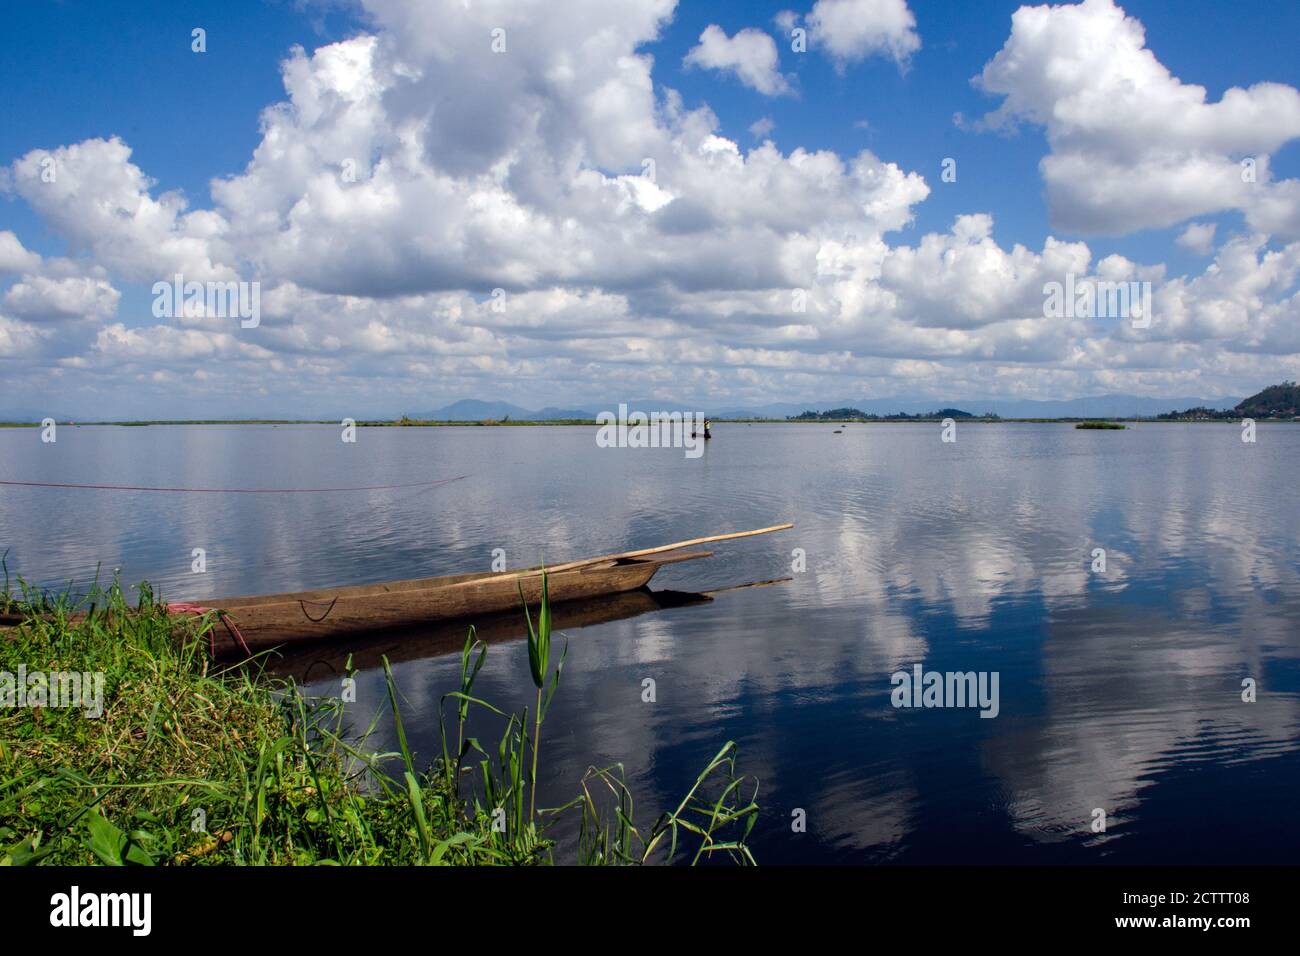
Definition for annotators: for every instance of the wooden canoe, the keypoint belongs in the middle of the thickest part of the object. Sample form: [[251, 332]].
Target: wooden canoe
[[257, 623], [331, 613], [309, 662], [312, 661]]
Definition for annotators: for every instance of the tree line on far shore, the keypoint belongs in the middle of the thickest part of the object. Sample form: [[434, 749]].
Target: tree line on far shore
[[852, 414], [1276, 401]]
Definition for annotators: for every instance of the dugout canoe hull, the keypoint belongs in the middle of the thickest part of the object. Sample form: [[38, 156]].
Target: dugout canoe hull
[[307, 662], [300, 617]]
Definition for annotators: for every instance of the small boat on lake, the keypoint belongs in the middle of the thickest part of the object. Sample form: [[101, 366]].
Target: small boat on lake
[[312, 661], [255, 623]]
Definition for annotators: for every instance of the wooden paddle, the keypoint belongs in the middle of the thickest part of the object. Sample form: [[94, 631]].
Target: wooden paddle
[[629, 554]]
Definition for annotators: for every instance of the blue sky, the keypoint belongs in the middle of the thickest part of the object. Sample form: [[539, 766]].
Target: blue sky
[[126, 66], [94, 71]]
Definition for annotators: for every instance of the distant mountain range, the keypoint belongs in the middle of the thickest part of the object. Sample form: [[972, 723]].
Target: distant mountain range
[[474, 410], [1100, 406]]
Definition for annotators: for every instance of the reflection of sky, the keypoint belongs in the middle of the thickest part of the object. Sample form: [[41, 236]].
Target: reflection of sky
[[1118, 690]]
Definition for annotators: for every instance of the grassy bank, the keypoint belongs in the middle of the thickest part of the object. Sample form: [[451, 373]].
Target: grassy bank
[[191, 763]]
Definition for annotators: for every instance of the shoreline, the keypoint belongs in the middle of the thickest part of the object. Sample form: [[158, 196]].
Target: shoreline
[[175, 760], [569, 422]]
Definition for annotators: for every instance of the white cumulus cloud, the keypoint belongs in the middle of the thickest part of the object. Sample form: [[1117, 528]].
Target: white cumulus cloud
[[750, 56], [1132, 146], [852, 30]]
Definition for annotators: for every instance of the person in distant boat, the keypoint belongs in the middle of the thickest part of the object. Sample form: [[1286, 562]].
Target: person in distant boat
[[707, 434]]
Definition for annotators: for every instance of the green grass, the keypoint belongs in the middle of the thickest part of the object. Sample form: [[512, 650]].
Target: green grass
[[192, 763], [1107, 426]]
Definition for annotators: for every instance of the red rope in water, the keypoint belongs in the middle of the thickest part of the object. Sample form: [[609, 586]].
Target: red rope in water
[[234, 491]]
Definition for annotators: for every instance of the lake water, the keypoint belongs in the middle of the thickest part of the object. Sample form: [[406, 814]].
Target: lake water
[[1118, 690]]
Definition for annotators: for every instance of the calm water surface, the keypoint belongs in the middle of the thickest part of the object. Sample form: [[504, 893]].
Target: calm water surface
[[1118, 690]]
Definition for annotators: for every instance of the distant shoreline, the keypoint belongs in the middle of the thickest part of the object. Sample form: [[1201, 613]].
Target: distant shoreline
[[593, 424]]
